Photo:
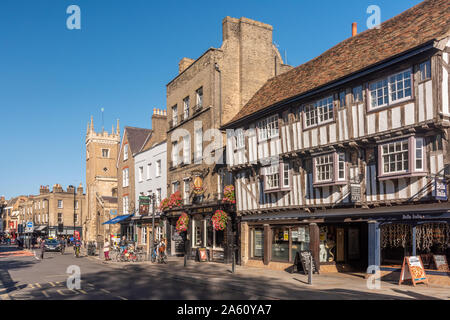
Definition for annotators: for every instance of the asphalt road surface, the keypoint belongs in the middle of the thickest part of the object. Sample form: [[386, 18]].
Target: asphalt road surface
[[24, 276]]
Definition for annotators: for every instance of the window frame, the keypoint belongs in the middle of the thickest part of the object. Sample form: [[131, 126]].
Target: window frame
[[158, 168], [125, 177], [411, 171], [199, 97], [107, 153], [281, 177], [186, 103], [427, 70], [334, 171], [388, 79], [268, 128], [314, 108], [125, 152]]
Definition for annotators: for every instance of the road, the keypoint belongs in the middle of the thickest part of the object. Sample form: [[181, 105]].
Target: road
[[24, 276]]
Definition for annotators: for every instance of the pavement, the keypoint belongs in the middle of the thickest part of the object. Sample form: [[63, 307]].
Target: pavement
[[27, 277]]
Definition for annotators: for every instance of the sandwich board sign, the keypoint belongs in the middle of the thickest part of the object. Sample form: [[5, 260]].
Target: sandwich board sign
[[440, 261], [412, 269]]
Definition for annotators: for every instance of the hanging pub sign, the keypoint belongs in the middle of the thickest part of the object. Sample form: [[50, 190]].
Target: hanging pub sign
[[440, 261], [144, 205], [440, 189], [198, 186], [412, 269]]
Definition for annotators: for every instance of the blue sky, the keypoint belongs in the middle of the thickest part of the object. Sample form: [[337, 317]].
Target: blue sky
[[53, 79]]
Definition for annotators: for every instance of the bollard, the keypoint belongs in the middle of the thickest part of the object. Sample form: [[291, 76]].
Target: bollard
[[310, 271], [185, 260], [233, 262]]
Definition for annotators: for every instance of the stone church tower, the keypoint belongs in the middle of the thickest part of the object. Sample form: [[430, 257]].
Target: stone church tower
[[101, 180]]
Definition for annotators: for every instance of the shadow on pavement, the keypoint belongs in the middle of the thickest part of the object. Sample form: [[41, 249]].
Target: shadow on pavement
[[136, 282]]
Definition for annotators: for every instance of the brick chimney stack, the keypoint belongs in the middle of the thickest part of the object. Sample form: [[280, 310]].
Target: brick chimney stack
[[159, 125], [354, 29]]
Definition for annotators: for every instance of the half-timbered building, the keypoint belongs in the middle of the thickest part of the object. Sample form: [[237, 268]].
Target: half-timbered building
[[347, 154]]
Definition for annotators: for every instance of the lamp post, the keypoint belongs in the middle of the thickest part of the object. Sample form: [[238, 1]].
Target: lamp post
[[152, 244], [48, 216]]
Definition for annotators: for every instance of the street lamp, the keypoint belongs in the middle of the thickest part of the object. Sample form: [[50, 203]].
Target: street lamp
[[48, 216], [152, 244]]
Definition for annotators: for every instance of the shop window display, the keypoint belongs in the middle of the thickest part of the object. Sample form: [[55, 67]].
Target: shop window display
[[327, 247], [300, 240], [257, 243], [280, 244]]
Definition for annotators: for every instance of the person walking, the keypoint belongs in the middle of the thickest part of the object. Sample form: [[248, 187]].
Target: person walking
[[123, 244], [106, 249], [42, 244]]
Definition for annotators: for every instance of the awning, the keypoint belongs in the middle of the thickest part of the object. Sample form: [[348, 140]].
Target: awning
[[117, 219], [40, 228]]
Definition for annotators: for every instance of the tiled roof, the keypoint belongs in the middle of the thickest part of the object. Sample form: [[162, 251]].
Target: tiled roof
[[137, 137], [429, 20]]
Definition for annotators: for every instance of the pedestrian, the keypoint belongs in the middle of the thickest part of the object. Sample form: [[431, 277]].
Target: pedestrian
[[106, 249], [42, 244], [123, 244]]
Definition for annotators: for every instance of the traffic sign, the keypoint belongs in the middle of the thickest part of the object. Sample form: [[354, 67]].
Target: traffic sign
[[29, 227]]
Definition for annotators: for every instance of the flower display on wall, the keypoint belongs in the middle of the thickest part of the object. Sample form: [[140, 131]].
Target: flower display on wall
[[219, 220], [182, 223], [228, 193]]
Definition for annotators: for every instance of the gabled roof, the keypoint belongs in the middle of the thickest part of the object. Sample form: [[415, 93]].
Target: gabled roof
[[136, 138], [427, 21]]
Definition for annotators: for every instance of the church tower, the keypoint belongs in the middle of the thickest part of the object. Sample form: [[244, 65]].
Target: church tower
[[101, 178]]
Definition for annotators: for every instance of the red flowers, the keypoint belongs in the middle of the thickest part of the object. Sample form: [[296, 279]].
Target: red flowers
[[173, 201], [219, 220], [228, 193], [182, 223]]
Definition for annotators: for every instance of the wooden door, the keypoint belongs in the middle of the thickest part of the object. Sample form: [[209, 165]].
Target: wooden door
[[340, 241]]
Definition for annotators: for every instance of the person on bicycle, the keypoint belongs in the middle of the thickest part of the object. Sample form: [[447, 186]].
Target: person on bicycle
[[76, 245]]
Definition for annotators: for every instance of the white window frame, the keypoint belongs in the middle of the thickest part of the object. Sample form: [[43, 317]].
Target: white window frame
[[240, 138], [186, 107], [158, 196], [412, 156], [175, 183], [149, 172], [107, 153], [158, 168], [141, 173], [175, 153], [186, 149], [319, 112], [276, 175], [175, 115], [425, 70], [395, 154], [384, 88], [125, 204], [125, 176], [198, 144], [357, 94], [186, 192], [337, 164], [268, 128], [60, 204]]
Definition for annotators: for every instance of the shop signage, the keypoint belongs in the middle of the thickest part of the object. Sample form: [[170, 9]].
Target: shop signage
[[113, 212], [144, 205], [305, 258], [202, 255], [440, 188], [286, 236], [441, 263], [355, 191], [198, 186], [412, 269], [202, 210]]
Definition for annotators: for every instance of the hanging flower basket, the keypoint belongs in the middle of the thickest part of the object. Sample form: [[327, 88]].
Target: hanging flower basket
[[219, 220], [228, 193], [182, 223], [171, 202]]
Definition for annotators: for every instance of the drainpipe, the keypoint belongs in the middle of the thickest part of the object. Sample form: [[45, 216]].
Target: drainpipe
[[216, 66]]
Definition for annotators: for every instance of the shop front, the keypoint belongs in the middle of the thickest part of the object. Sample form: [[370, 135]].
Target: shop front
[[201, 234], [277, 244]]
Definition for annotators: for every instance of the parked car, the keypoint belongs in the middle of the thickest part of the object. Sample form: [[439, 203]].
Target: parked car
[[52, 245]]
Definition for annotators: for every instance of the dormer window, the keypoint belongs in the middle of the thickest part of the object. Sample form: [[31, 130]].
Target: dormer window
[[330, 169], [402, 158]]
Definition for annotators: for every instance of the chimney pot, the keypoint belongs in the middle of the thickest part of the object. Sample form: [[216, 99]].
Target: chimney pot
[[354, 29]]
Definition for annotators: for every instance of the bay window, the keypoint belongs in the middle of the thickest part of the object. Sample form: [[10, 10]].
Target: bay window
[[400, 158], [276, 177], [392, 89], [330, 169], [319, 112]]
